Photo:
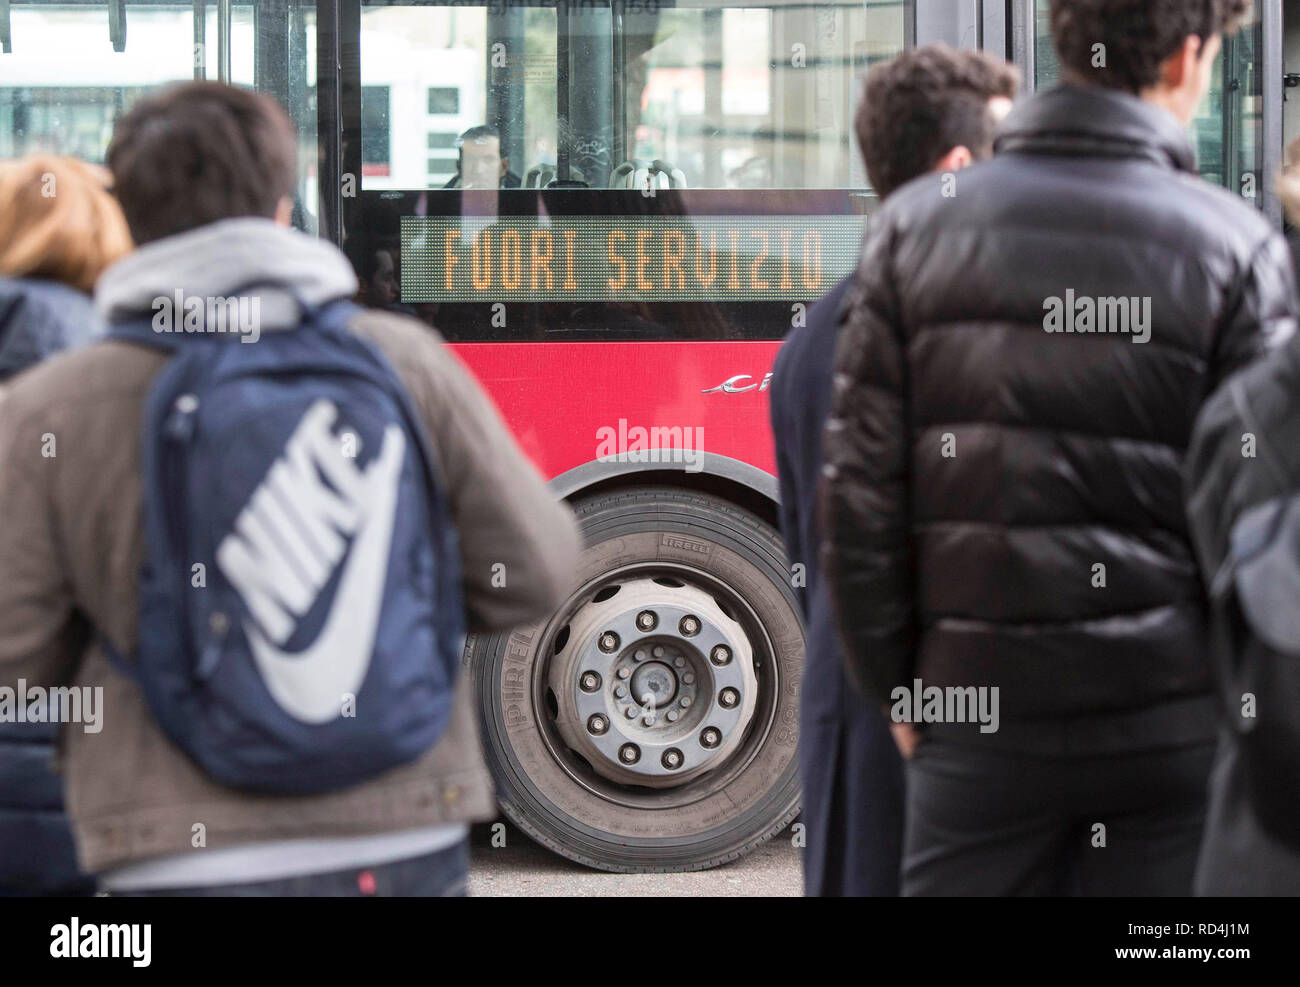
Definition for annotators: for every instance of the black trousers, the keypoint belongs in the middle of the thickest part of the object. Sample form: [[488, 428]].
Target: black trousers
[[987, 820]]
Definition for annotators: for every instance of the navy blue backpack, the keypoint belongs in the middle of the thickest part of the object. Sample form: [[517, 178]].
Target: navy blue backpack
[[301, 620]]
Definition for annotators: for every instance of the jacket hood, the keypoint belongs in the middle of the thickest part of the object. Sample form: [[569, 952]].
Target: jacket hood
[[248, 257], [38, 318], [1089, 121]]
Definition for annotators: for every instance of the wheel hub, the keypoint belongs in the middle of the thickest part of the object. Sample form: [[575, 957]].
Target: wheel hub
[[655, 684]]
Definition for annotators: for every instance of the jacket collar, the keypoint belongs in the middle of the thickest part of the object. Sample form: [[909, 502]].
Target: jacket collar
[[1095, 122]]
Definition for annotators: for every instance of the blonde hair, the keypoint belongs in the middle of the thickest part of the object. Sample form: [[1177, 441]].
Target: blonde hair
[[58, 220]]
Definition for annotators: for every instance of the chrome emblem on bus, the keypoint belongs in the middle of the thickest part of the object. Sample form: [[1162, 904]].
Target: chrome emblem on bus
[[732, 385]]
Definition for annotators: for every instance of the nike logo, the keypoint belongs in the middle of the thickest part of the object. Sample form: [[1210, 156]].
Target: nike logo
[[287, 543]]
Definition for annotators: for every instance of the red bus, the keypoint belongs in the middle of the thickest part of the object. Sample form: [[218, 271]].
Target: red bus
[[686, 186], [670, 184]]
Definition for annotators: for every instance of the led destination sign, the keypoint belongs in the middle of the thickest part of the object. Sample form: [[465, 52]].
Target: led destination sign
[[625, 258]]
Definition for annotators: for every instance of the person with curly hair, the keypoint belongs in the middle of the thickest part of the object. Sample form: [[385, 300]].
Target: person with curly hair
[[932, 109]]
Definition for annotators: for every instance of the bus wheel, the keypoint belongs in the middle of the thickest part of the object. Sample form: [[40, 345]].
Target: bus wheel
[[651, 724]]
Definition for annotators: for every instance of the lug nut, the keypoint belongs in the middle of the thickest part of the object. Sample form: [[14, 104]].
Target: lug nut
[[688, 678], [590, 682], [648, 719], [632, 712], [672, 758], [728, 698], [640, 654], [689, 626], [620, 691], [597, 724], [672, 715], [685, 701], [646, 620], [608, 642], [624, 672], [710, 737], [657, 651], [629, 753], [679, 661], [720, 655]]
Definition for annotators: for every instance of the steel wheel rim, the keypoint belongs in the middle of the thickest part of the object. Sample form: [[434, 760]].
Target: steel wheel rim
[[720, 771]]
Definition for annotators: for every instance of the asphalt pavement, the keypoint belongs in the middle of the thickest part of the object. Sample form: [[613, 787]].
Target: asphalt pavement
[[521, 868]]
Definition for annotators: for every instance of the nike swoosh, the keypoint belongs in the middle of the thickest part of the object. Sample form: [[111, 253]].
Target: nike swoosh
[[310, 684]]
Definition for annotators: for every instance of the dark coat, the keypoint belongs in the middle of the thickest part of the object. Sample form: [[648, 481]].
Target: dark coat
[[982, 469], [1241, 854], [37, 319], [851, 772]]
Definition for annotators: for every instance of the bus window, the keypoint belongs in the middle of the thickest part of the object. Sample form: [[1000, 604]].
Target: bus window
[[692, 95], [1227, 132], [753, 97], [72, 70], [429, 74]]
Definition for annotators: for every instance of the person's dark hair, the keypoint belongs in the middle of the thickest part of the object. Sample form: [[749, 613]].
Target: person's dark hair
[[919, 106], [481, 132], [1136, 36], [199, 152]]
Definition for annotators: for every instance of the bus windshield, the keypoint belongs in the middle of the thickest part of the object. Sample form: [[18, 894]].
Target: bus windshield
[[617, 95], [633, 169]]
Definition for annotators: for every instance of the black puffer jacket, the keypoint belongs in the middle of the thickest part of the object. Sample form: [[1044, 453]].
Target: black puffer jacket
[[981, 471]]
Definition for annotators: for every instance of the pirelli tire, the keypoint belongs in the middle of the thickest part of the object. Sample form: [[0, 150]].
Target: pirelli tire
[[681, 596]]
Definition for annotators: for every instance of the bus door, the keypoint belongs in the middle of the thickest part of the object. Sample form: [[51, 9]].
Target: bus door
[[1288, 56]]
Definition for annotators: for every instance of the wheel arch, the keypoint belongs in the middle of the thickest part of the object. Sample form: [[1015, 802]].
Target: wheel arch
[[730, 479]]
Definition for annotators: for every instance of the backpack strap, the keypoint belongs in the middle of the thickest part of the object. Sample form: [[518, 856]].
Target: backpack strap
[[140, 330], [119, 661], [333, 316]]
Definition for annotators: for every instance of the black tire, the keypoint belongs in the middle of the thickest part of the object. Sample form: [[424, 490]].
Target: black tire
[[552, 793]]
